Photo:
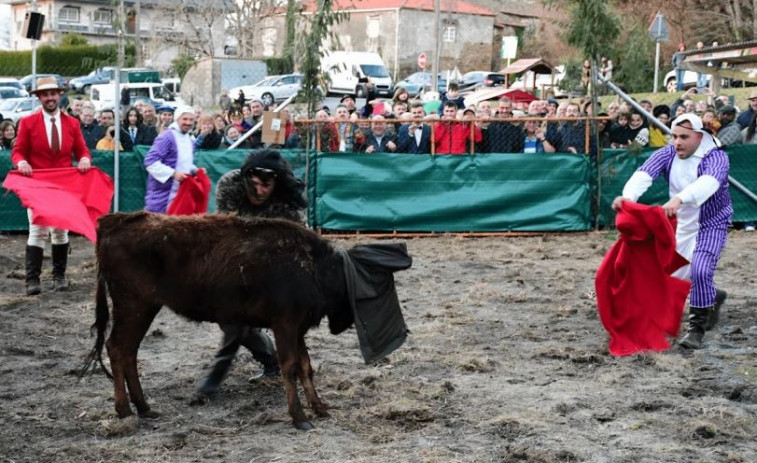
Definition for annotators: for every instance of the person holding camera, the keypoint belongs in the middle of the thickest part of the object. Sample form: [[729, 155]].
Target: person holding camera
[[108, 141]]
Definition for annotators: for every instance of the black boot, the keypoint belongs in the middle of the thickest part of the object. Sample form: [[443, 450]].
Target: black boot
[[33, 269], [212, 382], [715, 314], [698, 317], [60, 259]]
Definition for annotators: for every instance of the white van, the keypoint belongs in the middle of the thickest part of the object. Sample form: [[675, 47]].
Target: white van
[[156, 93], [350, 72]]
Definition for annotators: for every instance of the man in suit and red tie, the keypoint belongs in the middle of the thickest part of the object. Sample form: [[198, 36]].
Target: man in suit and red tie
[[48, 139]]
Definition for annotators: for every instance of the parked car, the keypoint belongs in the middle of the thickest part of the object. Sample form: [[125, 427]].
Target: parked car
[[350, 71], [419, 82], [11, 82], [16, 108], [270, 90], [12, 92], [477, 79], [98, 76], [26, 81], [689, 80]]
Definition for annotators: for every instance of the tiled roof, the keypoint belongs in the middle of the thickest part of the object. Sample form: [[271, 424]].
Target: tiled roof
[[456, 6]]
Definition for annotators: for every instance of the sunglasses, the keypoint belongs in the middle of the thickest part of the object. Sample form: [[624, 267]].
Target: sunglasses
[[263, 173]]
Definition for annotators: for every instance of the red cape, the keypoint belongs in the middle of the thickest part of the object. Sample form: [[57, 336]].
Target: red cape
[[64, 197], [192, 197], [639, 302]]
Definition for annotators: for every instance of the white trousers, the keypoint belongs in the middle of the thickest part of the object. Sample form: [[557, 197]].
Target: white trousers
[[38, 234]]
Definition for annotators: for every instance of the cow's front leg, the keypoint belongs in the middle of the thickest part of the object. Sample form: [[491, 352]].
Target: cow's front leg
[[306, 377]]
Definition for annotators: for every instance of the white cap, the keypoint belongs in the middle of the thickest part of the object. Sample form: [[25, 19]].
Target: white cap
[[696, 125], [181, 110]]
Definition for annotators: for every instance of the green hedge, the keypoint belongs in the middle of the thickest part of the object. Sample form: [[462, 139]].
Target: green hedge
[[66, 61]]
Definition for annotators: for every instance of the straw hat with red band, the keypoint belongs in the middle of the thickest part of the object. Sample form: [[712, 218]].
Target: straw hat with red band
[[47, 83]]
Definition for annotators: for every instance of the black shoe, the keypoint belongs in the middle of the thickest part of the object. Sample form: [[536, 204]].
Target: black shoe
[[270, 371], [33, 287], [720, 297], [698, 317]]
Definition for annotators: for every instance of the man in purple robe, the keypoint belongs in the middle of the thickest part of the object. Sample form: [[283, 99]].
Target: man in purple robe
[[697, 172]]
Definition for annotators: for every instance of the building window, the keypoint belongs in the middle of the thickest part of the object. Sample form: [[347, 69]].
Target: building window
[[69, 14], [449, 33], [269, 36], [103, 16]]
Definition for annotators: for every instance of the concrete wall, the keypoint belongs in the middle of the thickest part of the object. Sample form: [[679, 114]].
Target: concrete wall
[[471, 50], [204, 82]]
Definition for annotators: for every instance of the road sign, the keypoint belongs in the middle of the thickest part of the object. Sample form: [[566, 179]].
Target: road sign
[[509, 49], [659, 30], [422, 61]]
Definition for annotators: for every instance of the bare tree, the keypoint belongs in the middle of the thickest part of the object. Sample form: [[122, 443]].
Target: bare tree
[[244, 19], [197, 25]]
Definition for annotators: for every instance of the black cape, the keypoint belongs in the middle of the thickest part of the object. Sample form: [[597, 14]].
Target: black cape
[[369, 276]]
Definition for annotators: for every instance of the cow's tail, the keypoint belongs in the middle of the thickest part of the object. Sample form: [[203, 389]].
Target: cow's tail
[[102, 316]]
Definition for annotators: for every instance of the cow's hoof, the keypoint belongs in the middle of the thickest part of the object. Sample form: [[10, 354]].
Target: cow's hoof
[[322, 412], [304, 426], [149, 415], [199, 399]]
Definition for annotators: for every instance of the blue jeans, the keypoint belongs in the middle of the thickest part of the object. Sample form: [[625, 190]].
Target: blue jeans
[[701, 82], [679, 79]]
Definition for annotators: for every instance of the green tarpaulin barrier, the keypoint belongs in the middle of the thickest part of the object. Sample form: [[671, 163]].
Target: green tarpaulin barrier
[[396, 192], [487, 192]]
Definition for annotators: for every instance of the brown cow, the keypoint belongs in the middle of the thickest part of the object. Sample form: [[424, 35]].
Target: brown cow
[[218, 268]]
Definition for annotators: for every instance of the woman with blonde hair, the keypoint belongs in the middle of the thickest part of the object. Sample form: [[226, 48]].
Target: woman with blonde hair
[[206, 136]]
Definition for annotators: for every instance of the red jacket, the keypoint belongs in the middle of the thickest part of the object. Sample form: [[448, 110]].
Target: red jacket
[[639, 302], [32, 144], [450, 137]]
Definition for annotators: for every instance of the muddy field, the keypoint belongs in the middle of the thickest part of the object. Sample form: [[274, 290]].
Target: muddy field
[[507, 362]]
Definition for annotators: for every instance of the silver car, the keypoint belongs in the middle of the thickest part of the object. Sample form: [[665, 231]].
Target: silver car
[[16, 108], [270, 90]]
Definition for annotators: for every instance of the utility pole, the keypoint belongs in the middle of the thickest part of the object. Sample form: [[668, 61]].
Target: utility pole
[[437, 47], [137, 34], [117, 104], [34, 52]]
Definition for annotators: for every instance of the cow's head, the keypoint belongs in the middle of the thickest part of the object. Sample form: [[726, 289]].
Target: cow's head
[[336, 301]]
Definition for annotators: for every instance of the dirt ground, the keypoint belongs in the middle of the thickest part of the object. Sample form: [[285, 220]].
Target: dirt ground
[[507, 362]]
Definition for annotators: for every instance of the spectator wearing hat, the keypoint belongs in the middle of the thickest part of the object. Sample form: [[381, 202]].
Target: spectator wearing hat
[[48, 139], [236, 118], [730, 130], [746, 116], [170, 161], [165, 118], [349, 102]]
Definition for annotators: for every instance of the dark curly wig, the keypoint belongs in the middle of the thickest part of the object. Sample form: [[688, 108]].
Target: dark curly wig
[[267, 164]]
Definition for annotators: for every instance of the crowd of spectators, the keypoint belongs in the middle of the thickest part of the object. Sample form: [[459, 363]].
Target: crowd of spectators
[[404, 125]]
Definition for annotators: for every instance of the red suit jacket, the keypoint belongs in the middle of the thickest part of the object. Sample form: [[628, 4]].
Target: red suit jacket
[[32, 144]]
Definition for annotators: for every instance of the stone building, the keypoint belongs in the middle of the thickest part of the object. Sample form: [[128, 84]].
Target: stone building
[[164, 30], [399, 30]]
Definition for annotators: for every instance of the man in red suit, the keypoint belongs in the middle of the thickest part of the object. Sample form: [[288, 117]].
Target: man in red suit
[[48, 139]]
